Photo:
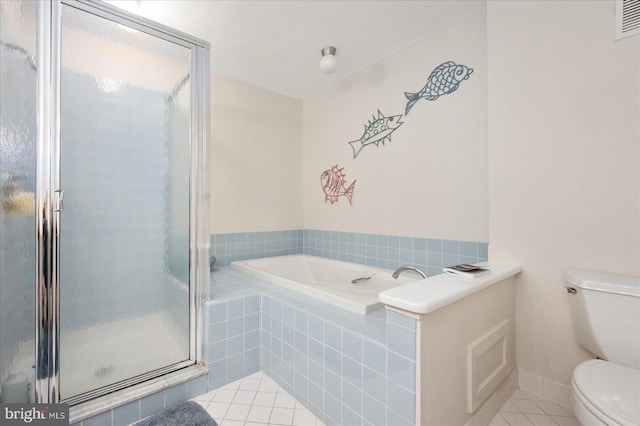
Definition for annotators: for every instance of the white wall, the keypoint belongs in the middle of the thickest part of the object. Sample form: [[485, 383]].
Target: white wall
[[563, 141], [564, 136], [431, 179], [255, 158]]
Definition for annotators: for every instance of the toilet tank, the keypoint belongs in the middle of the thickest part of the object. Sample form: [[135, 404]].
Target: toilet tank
[[605, 310]]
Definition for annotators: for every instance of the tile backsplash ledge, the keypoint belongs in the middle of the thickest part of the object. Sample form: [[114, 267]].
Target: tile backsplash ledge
[[383, 251]]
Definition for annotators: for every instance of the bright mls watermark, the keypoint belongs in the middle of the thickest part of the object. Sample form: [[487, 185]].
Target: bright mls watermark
[[36, 414]]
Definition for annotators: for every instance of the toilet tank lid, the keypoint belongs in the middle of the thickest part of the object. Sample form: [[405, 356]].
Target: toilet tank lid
[[601, 281]]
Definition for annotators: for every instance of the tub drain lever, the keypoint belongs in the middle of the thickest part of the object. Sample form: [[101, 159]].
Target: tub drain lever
[[357, 280]]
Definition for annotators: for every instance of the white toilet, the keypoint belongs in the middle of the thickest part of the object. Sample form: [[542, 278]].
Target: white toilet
[[606, 319]]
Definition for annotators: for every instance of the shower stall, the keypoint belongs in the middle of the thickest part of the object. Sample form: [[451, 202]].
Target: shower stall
[[104, 204]]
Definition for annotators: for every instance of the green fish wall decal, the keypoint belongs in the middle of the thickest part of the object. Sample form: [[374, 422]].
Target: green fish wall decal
[[379, 129]]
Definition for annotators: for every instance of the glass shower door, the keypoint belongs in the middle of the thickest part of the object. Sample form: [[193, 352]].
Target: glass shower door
[[124, 227], [17, 186]]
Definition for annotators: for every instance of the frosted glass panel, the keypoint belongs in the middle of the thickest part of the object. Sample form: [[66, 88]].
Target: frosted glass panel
[[17, 185], [124, 261]]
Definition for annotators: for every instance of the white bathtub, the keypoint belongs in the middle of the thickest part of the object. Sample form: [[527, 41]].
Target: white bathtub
[[325, 279]]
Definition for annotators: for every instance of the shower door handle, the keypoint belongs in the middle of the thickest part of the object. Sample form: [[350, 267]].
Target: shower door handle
[[59, 201]]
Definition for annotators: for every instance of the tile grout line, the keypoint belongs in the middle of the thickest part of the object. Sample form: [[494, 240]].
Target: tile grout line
[[532, 418], [293, 406]]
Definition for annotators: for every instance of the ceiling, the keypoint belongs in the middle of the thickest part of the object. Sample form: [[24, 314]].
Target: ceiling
[[276, 44]]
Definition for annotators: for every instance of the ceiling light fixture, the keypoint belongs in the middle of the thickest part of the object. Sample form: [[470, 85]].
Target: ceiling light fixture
[[328, 62]]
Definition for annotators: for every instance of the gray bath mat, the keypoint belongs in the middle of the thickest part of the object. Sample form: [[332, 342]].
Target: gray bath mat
[[186, 413]]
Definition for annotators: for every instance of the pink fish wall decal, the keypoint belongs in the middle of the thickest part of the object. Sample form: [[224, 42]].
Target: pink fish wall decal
[[334, 185]]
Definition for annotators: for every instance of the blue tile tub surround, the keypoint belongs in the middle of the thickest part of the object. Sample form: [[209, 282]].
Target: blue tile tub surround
[[390, 251], [230, 247], [228, 284], [232, 339], [344, 367], [382, 251], [342, 376]]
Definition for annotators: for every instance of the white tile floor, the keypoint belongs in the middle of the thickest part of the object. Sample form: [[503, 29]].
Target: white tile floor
[[255, 400], [525, 409]]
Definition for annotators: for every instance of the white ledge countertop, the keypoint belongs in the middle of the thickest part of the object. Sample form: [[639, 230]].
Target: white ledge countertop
[[429, 294]]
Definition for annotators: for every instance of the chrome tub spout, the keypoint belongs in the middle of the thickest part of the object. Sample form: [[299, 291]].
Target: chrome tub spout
[[401, 269]]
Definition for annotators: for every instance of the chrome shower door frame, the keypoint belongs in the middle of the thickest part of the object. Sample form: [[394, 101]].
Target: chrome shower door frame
[[49, 194]]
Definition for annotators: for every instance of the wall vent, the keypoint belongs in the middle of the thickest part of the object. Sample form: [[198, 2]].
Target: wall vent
[[627, 18]]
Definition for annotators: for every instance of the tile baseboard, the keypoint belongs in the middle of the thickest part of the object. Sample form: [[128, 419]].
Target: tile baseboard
[[545, 388]]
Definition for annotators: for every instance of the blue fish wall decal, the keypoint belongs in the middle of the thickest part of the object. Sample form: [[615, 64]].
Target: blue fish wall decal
[[378, 129], [443, 80]]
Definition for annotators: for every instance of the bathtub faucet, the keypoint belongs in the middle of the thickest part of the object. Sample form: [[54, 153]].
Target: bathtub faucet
[[401, 269]]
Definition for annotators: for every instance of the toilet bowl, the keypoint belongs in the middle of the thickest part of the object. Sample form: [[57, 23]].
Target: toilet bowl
[[604, 393], [605, 309]]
